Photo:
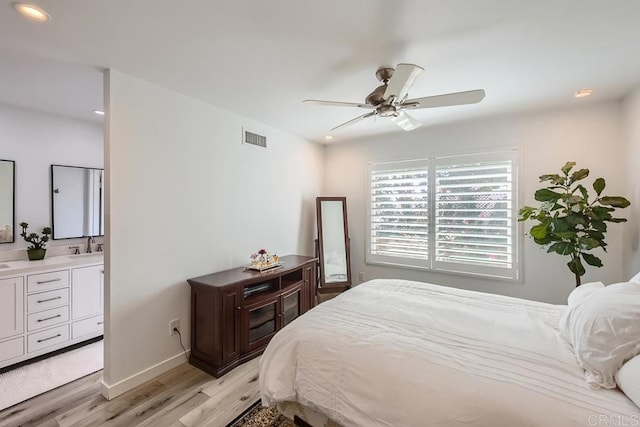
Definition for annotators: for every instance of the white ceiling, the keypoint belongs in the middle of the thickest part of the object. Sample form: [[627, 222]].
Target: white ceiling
[[261, 58]]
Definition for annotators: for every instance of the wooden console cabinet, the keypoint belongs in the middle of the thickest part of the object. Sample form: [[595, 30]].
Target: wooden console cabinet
[[235, 313]]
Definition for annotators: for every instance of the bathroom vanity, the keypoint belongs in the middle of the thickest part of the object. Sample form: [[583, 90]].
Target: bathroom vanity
[[48, 305]]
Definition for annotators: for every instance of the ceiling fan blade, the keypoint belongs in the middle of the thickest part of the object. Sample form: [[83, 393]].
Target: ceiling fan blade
[[405, 121], [401, 80], [356, 120], [337, 103], [459, 98]]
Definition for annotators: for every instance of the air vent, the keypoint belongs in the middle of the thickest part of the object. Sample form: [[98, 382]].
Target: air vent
[[255, 139]]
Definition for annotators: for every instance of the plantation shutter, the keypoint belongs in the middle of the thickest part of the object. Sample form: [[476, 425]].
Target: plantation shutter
[[399, 213], [455, 214], [475, 224]]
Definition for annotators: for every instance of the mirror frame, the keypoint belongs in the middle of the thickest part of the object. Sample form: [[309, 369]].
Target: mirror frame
[[13, 210], [332, 286], [52, 191]]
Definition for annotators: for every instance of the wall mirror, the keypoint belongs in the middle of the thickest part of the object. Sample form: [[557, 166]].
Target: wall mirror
[[7, 200], [77, 202], [333, 243]]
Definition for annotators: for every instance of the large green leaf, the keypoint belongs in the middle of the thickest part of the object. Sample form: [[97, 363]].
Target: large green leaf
[[525, 212], [617, 220], [567, 167], [615, 201], [579, 174], [545, 195], [575, 219], [562, 248], [588, 243], [585, 194], [560, 224], [539, 231], [601, 212], [592, 260], [543, 241], [599, 225], [599, 185], [554, 178], [576, 266], [565, 234]]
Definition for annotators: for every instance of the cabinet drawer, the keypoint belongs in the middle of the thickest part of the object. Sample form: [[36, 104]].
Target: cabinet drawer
[[87, 326], [46, 281], [47, 318], [47, 338], [12, 348], [46, 300]]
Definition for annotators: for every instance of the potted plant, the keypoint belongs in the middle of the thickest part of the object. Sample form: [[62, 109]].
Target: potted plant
[[37, 249], [570, 221]]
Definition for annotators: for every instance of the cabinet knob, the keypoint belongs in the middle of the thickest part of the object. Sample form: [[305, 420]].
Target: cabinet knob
[[238, 308]]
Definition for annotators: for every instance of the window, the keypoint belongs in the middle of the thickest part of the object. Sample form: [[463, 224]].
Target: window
[[455, 213]]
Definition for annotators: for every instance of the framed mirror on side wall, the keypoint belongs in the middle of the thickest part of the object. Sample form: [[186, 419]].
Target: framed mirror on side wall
[[333, 244], [7, 200], [77, 202]]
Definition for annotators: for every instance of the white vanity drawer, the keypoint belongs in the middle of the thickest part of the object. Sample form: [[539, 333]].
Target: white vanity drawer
[[46, 281], [12, 348], [49, 299], [47, 318], [87, 326], [47, 338]]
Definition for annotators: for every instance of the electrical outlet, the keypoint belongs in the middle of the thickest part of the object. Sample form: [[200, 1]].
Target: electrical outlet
[[361, 276], [173, 325]]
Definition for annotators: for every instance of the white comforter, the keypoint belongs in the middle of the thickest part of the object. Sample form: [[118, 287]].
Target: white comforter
[[399, 353]]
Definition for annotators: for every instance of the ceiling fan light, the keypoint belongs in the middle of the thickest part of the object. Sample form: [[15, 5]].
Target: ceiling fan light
[[32, 12]]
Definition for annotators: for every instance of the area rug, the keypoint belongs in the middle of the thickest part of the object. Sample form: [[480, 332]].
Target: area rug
[[36, 378], [257, 416]]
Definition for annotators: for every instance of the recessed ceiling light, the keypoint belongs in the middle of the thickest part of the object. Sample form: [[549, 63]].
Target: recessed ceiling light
[[32, 12], [582, 93], [328, 137], [99, 112]]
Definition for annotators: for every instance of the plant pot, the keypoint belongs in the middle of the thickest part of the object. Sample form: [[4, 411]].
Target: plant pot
[[36, 254]]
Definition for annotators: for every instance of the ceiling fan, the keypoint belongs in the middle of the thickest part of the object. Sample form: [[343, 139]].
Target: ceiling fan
[[390, 99]]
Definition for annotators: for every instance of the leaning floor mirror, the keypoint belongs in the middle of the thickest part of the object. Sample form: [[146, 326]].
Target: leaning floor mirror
[[333, 244], [7, 200]]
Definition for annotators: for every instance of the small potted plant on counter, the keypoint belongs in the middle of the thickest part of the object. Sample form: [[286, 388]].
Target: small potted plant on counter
[[36, 251]]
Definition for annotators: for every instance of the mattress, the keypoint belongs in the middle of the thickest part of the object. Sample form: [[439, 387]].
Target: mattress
[[401, 353]]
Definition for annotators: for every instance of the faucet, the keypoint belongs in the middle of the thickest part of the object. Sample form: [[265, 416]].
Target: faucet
[[89, 241]]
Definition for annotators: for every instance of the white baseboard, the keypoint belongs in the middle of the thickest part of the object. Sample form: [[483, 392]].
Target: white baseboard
[[122, 386]]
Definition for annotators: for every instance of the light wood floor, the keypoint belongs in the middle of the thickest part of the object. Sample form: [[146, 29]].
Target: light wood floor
[[184, 396]]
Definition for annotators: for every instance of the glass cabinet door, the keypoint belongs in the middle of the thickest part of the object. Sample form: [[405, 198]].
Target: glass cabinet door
[[291, 303], [261, 322]]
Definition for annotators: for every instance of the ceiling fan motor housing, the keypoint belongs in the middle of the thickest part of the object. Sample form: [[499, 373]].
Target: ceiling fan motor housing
[[377, 96], [386, 111]]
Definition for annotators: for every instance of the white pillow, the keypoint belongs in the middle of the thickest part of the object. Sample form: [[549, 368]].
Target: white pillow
[[583, 291], [628, 379], [604, 331], [635, 279]]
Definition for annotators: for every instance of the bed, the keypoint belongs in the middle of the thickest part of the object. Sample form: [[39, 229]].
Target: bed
[[401, 353]]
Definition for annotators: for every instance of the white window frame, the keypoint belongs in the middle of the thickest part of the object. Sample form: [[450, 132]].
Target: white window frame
[[431, 264]]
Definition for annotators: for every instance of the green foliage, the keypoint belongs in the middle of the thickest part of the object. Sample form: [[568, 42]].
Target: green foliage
[[37, 241], [568, 222]]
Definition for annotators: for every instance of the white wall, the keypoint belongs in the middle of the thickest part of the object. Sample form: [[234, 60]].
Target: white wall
[[36, 140], [591, 136], [186, 198], [632, 128]]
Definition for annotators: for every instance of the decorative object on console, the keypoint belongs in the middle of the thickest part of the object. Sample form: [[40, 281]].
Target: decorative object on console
[[570, 224], [262, 261], [37, 249]]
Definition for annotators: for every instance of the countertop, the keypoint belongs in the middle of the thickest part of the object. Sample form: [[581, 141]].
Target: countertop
[[12, 268]]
